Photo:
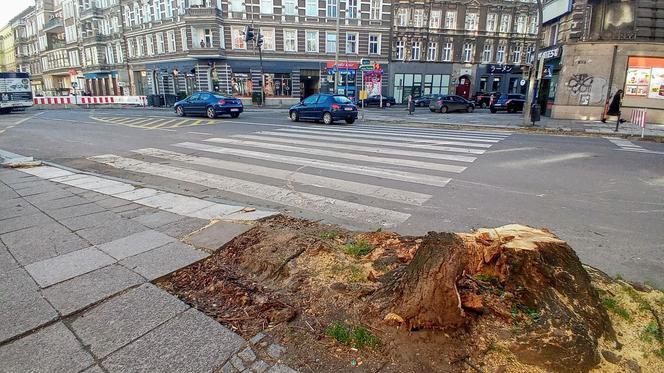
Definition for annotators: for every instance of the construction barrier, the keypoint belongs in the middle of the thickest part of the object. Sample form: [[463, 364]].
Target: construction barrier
[[91, 100], [639, 118]]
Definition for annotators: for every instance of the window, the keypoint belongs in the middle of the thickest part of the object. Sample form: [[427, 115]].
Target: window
[[277, 84], [436, 84], [450, 19], [402, 17], [500, 54], [330, 42], [160, 43], [486, 53], [376, 9], [237, 6], [237, 38], [472, 21], [505, 23], [398, 51], [289, 7], [351, 42], [516, 54], [331, 10], [447, 52], [418, 18], [183, 36], [139, 47], [109, 55], [267, 7], [351, 9], [290, 40], [118, 52], [222, 38], [311, 8], [374, 43], [149, 43], [521, 24], [431, 51], [73, 58], [467, 52], [268, 39], [311, 38], [532, 26], [491, 22], [530, 54], [434, 21], [415, 51], [130, 48], [553, 34]]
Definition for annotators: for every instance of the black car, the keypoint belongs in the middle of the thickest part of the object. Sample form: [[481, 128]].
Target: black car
[[375, 100], [448, 103], [483, 99], [210, 104], [511, 102], [326, 107], [423, 100]]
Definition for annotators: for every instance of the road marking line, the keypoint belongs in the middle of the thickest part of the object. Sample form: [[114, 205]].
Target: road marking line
[[396, 143], [391, 138], [336, 154], [435, 131], [347, 211], [404, 135], [368, 190], [26, 119], [160, 125], [180, 123], [358, 148], [326, 165], [199, 133]]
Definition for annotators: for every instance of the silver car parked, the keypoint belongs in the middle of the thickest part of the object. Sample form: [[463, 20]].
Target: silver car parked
[[448, 103]]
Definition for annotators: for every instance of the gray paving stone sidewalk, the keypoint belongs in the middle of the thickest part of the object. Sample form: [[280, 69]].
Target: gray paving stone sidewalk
[[75, 291]]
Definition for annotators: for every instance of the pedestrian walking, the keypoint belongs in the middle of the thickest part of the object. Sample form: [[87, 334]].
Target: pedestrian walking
[[614, 109], [411, 105]]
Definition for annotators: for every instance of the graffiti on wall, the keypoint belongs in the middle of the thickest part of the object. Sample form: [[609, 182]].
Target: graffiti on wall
[[591, 88]]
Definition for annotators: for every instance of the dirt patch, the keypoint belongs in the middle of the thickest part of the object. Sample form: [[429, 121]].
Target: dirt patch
[[508, 299]]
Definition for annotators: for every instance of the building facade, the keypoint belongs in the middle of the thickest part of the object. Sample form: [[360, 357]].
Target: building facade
[[593, 48], [460, 47], [7, 49]]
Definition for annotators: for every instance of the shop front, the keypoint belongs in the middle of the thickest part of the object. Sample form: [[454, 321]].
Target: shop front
[[501, 79], [348, 81], [101, 83], [548, 85], [419, 79]]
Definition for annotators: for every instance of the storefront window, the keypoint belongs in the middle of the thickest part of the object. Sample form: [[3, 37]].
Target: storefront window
[[278, 85], [483, 84], [645, 77], [241, 84], [436, 84], [495, 84]]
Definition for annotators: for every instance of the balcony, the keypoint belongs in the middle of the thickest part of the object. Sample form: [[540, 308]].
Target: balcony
[[92, 12], [55, 44], [91, 37], [54, 25], [206, 51], [204, 13]]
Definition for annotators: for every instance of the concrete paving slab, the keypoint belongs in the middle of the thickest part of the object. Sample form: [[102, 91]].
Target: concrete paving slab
[[92, 196], [46, 172], [122, 319], [216, 211], [105, 233], [94, 369], [50, 196], [12, 208], [82, 291], [163, 260], [7, 193], [22, 307], [191, 342], [67, 178], [157, 219], [135, 244], [64, 199], [7, 261], [167, 201], [39, 243], [63, 267], [52, 349], [213, 237], [114, 188], [135, 211], [93, 220], [246, 216], [24, 221], [183, 227], [111, 202], [139, 193], [79, 210]]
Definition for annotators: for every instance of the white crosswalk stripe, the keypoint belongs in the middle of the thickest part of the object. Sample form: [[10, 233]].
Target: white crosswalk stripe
[[629, 146], [358, 176]]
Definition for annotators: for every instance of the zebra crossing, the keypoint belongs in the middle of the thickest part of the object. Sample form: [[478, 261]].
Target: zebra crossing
[[154, 122], [359, 176], [629, 146]]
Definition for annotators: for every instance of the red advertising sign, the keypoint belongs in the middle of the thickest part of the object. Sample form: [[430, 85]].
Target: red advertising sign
[[344, 65]]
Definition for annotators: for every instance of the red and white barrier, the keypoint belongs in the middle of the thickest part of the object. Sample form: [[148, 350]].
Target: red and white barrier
[[91, 100], [639, 117]]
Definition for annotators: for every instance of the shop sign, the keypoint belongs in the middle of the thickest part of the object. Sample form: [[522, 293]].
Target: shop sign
[[343, 65], [549, 53], [501, 69]]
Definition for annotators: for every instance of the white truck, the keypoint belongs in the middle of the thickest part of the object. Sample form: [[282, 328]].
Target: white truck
[[15, 91]]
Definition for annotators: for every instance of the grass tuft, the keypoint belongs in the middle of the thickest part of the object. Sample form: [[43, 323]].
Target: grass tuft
[[358, 337], [612, 305], [487, 278], [329, 235], [359, 248]]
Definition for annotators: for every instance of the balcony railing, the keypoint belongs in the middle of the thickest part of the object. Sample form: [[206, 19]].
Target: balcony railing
[[202, 12], [55, 45], [93, 11], [54, 24]]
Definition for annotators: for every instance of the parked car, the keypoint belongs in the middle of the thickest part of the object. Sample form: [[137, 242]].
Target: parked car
[[326, 107], [211, 104], [511, 102], [448, 103], [423, 100], [375, 100], [483, 99]]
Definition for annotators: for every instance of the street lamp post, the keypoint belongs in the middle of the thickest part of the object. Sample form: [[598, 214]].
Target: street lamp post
[[336, 52], [533, 69]]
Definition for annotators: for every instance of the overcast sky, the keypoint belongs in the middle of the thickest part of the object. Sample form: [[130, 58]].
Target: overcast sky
[[11, 8]]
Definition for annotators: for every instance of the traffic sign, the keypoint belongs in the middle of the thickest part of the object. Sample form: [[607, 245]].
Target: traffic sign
[[366, 67]]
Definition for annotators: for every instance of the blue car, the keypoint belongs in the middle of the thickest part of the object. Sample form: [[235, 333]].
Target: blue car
[[326, 107], [210, 104]]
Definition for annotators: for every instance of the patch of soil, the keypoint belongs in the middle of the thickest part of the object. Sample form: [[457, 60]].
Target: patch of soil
[[524, 297]]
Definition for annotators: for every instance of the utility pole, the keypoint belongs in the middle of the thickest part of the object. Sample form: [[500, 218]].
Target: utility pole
[[533, 68], [336, 52], [259, 43]]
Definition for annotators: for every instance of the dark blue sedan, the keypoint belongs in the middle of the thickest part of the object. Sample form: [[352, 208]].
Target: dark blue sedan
[[210, 104], [326, 107]]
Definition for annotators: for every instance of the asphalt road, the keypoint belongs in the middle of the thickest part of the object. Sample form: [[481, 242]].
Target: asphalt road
[[606, 199]]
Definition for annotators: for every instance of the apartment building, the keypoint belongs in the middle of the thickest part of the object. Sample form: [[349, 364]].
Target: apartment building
[[26, 44], [7, 49], [461, 47], [593, 48]]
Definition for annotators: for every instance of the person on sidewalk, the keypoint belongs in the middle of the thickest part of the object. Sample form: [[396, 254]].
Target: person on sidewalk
[[411, 105], [614, 109]]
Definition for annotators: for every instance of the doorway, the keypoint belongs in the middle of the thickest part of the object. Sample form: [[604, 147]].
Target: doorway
[[309, 82], [543, 95], [463, 88]]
